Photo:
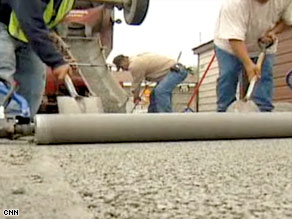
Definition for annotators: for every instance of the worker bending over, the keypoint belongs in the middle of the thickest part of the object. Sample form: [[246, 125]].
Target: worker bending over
[[154, 68], [25, 45]]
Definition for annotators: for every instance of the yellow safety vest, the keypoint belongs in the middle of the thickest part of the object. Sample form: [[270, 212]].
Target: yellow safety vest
[[66, 5]]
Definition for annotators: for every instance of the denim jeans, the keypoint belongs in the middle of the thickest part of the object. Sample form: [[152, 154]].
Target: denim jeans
[[161, 95], [18, 61], [230, 68]]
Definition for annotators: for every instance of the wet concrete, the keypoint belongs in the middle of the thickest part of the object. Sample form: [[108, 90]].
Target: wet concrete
[[200, 179]]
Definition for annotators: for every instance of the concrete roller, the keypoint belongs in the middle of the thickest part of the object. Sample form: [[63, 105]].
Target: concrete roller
[[94, 128]]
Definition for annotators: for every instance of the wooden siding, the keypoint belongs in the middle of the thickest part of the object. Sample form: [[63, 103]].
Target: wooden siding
[[207, 92], [283, 64], [180, 99]]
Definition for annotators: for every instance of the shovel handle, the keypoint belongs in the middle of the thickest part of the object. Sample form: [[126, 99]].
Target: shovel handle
[[250, 88], [70, 86], [260, 60], [253, 81]]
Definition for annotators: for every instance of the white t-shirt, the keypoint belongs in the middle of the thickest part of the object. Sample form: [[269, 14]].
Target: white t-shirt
[[248, 20]]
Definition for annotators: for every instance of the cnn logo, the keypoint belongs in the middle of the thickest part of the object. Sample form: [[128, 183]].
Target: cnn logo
[[11, 212]]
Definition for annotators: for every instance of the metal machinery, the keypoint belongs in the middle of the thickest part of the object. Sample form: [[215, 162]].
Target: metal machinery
[[88, 32]]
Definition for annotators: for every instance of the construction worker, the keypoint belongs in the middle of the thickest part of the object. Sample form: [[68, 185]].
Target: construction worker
[[25, 45], [240, 26], [154, 68]]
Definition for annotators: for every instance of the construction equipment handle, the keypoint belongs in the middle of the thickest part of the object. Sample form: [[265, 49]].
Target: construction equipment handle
[[196, 90], [70, 86]]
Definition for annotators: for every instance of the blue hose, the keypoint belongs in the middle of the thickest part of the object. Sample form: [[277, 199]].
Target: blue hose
[[21, 107]]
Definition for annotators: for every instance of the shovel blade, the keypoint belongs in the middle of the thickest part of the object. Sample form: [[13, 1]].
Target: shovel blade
[[69, 105], [241, 106]]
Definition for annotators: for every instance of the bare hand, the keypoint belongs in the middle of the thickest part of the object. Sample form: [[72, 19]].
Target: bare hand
[[269, 38], [252, 70], [137, 100], [61, 71]]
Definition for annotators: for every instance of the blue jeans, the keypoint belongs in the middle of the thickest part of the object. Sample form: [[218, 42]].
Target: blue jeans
[[230, 68], [161, 95], [18, 61]]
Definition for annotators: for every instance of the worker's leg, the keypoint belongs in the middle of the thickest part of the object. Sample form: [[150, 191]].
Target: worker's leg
[[163, 92], [30, 74], [152, 106], [7, 54], [229, 69], [263, 91]]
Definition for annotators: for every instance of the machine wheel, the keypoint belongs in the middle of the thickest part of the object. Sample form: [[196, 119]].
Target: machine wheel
[[135, 11]]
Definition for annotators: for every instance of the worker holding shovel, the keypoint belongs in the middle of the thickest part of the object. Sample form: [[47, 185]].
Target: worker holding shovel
[[25, 44], [154, 68], [240, 27]]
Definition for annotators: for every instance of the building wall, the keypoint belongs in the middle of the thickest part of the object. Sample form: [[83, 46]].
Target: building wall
[[181, 96], [282, 66], [207, 93]]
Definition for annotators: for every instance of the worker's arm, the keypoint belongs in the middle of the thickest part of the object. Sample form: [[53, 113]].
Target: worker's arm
[[279, 28], [30, 16], [271, 35], [138, 77], [136, 92], [283, 24], [240, 50]]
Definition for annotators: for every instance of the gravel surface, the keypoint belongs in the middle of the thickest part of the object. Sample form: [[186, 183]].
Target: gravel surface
[[32, 181], [242, 179]]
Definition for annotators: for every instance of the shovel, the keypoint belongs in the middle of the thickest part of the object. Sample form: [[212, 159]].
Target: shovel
[[246, 104], [76, 103]]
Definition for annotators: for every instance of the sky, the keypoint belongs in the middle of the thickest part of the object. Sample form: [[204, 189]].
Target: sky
[[171, 26]]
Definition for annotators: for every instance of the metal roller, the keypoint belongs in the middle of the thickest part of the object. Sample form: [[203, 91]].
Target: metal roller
[[95, 128]]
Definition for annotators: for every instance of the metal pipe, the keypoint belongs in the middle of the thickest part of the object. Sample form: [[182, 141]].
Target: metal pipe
[[94, 128]]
